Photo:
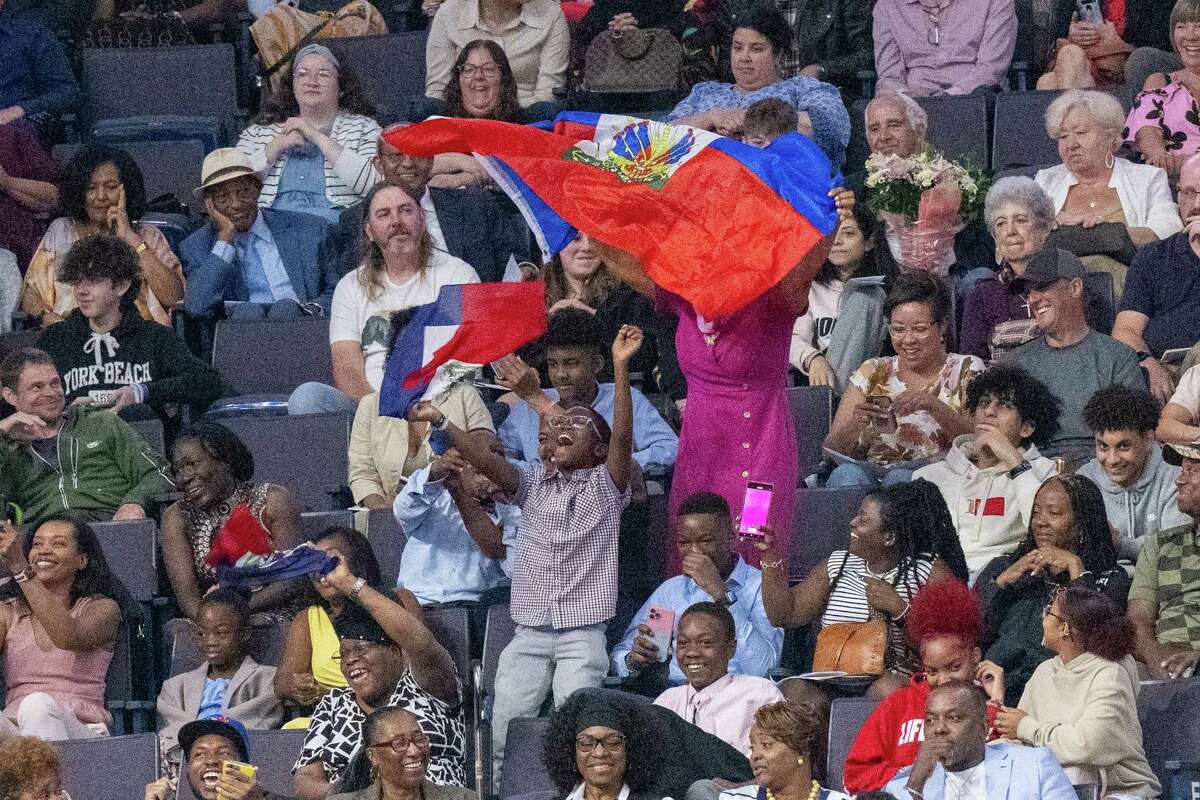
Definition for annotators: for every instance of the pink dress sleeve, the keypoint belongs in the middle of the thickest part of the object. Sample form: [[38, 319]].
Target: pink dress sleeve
[[1171, 110]]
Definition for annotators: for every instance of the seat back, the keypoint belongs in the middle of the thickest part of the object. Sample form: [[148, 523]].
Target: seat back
[[821, 525], [1170, 724], [451, 626], [1019, 138], [846, 717], [130, 549], [499, 632], [524, 771], [812, 409], [168, 167], [1101, 301], [390, 67], [387, 541], [15, 340], [307, 454], [242, 348], [109, 768], [960, 126], [314, 522], [151, 430], [191, 79]]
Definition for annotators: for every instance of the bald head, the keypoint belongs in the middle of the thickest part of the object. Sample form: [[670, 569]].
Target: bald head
[[1189, 187]]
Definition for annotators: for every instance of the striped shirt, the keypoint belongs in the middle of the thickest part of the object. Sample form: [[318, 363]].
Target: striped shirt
[[848, 601], [565, 572], [346, 181]]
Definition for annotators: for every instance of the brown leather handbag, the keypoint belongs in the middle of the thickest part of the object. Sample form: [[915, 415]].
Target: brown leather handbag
[[627, 62], [856, 648]]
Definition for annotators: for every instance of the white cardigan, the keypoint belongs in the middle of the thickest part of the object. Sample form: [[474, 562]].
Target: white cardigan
[[346, 182], [1142, 188]]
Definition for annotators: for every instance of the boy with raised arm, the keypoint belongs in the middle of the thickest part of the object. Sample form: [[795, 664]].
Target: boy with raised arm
[[564, 584]]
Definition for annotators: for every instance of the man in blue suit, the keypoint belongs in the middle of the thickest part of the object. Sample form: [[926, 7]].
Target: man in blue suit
[[272, 262], [956, 763]]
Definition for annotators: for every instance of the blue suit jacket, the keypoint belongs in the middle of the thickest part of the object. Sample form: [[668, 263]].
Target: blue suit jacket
[[301, 242], [1014, 772]]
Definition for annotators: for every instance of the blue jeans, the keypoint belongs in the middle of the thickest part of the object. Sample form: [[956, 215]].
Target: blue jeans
[[854, 475], [319, 398]]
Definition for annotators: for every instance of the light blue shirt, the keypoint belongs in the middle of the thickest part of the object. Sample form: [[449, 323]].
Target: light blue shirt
[[302, 184], [759, 643], [653, 440], [266, 281], [212, 700], [441, 563]]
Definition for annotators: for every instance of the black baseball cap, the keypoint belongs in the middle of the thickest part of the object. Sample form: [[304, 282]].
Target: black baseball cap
[[1050, 265], [227, 727]]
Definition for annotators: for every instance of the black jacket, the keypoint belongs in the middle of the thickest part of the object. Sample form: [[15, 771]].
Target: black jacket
[[837, 35], [140, 352], [474, 224]]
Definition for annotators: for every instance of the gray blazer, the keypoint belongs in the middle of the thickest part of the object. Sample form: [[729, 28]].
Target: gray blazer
[[432, 792], [249, 698]]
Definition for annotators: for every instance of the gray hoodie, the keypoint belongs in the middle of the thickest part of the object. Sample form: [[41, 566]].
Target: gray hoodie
[[1146, 507]]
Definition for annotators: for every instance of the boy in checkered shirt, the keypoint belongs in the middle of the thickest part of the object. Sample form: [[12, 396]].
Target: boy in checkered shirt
[[564, 583]]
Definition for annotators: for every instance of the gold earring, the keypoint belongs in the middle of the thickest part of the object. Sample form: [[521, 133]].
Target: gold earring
[[800, 761]]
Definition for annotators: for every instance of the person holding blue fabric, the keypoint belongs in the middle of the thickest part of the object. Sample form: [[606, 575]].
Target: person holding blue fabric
[[458, 530], [760, 40], [712, 572], [229, 682], [313, 143], [574, 344]]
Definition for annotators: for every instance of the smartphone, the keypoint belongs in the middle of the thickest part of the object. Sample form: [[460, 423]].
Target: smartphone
[[249, 770], [661, 623], [884, 405], [1089, 11], [439, 442], [756, 506]]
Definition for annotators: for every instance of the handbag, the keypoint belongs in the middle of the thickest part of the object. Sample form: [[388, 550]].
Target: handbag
[[285, 30], [1106, 239], [631, 62], [856, 648]]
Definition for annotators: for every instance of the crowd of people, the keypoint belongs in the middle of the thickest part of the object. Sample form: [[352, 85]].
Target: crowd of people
[[1017, 417]]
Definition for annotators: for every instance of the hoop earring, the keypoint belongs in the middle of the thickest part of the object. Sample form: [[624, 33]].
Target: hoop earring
[[1109, 160]]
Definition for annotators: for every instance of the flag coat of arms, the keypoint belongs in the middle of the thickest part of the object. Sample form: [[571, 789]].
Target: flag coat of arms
[[711, 219]]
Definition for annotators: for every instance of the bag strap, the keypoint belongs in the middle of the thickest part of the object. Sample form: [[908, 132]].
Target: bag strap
[[305, 40]]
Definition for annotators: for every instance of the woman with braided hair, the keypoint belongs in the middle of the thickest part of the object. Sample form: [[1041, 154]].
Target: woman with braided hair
[[946, 622]]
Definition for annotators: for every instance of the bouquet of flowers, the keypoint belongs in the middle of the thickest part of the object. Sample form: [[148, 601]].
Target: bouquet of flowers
[[925, 200]]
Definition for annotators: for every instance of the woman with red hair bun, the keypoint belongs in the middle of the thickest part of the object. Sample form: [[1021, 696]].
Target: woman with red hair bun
[[946, 622]]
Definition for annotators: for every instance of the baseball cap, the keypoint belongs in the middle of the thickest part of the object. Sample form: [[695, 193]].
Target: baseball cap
[[224, 164], [1050, 265], [227, 727]]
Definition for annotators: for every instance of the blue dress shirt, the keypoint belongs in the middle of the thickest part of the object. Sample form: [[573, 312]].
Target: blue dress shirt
[[36, 74], [262, 266], [759, 643]]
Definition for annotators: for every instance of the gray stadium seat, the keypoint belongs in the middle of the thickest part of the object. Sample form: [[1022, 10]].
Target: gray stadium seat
[[846, 717], [812, 409], [109, 768], [313, 522], [451, 626], [523, 771], [151, 430], [296, 350], [307, 454], [130, 549], [499, 632], [15, 340], [1170, 724], [168, 167], [390, 67], [1020, 138], [960, 126], [387, 541], [821, 525]]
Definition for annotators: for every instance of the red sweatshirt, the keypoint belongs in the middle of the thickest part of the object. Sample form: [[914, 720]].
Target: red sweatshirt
[[890, 738]]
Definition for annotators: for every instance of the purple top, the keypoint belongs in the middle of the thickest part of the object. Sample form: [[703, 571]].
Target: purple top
[[975, 40], [989, 304]]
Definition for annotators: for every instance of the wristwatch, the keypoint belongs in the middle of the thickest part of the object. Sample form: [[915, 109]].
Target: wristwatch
[[23, 575], [1019, 469], [729, 599], [1142, 355], [442, 423]]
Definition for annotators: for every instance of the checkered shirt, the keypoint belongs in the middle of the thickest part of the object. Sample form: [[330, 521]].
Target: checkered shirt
[[565, 574], [1171, 579]]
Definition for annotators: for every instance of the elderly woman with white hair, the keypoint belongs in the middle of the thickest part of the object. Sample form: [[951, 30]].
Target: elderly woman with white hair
[[314, 140], [1019, 216], [1092, 186]]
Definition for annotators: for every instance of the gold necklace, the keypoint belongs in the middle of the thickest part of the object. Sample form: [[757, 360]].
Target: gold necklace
[[812, 793]]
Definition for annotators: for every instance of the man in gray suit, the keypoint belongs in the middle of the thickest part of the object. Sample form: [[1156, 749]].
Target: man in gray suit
[[956, 763]]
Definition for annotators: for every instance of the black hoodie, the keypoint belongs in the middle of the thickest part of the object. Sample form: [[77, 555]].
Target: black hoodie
[[136, 351]]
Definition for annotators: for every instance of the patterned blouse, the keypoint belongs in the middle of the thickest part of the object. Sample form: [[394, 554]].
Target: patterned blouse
[[1172, 110], [335, 732], [918, 435], [203, 527]]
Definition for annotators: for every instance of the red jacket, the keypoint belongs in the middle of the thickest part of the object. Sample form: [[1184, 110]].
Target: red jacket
[[890, 738]]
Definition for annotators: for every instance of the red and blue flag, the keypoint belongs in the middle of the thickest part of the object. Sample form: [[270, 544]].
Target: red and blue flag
[[711, 219], [469, 325]]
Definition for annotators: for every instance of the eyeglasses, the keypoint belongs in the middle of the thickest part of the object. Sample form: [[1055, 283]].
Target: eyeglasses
[[323, 75], [1047, 611], [486, 70], [402, 742], [918, 331], [578, 422], [611, 743], [1187, 194]]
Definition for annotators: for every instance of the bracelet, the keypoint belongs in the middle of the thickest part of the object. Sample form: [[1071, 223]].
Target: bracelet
[[900, 616], [914, 794], [358, 587], [22, 576], [441, 425], [765, 565]]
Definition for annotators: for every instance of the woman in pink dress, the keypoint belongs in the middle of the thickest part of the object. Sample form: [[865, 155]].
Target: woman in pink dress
[[1163, 125]]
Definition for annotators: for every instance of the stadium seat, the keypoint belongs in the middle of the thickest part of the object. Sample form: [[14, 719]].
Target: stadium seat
[[129, 684], [1019, 138], [524, 771], [390, 67], [846, 717], [272, 356], [307, 454], [960, 126], [387, 541], [499, 632], [451, 626], [196, 80], [151, 430], [15, 340], [821, 525], [168, 167], [313, 522], [130, 549], [812, 410], [1170, 724], [1102, 301], [183, 644], [109, 768]]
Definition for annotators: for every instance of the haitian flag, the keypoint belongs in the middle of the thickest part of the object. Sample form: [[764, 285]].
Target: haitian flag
[[711, 219], [469, 324]]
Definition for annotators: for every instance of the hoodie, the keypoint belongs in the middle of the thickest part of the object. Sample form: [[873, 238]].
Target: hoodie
[[991, 510], [137, 351], [1146, 507]]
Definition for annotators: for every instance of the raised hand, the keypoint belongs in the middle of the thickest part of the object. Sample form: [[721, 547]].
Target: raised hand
[[518, 376], [11, 551], [628, 342], [424, 411]]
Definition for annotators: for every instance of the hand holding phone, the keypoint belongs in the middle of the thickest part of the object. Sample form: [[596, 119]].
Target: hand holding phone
[[661, 622], [756, 507]]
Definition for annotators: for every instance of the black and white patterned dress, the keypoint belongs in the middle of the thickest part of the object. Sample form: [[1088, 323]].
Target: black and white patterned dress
[[335, 732]]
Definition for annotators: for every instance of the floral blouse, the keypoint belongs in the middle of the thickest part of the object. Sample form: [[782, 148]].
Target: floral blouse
[[1171, 109], [918, 435]]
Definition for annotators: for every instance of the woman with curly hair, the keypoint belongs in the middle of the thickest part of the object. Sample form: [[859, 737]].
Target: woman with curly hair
[[1069, 544], [314, 140], [783, 744], [30, 769], [901, 539], [482, 85], [1082, 704], [598, 750], [946, 622]]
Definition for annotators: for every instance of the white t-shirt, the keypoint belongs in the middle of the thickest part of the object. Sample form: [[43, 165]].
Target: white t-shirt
[[1187, 393], [355, 318], [969, 784]]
